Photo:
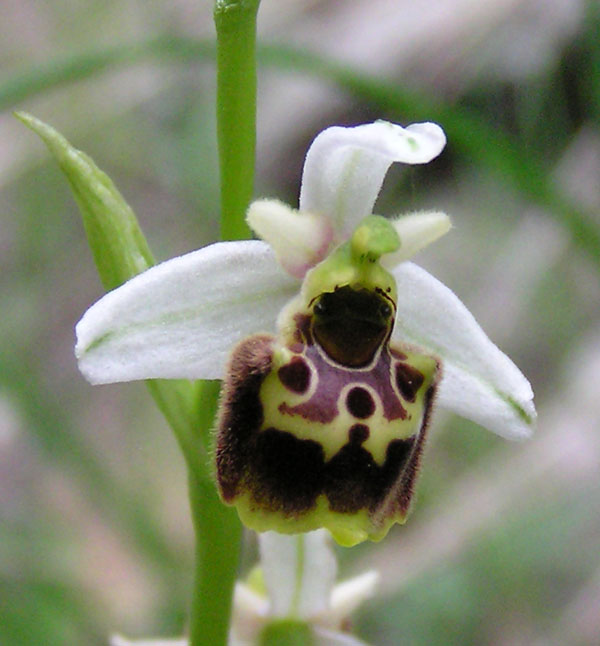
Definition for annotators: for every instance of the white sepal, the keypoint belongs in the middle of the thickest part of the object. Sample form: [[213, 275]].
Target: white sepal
[[479, 381], [249, 613], [345, 167], [299, 573], [181, 318], [300, 239], [348, 595]]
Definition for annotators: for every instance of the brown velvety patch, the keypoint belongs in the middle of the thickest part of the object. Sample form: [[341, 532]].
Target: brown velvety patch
[[402, 493], [286, 473], [240, 411]]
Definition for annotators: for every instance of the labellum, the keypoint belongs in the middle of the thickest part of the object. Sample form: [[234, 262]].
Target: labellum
[[324, 424]]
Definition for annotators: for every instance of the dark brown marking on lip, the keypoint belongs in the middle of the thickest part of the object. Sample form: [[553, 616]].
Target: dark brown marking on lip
[[360, 402], [408, 380], [287, 475], [295, 375], [358, 433]]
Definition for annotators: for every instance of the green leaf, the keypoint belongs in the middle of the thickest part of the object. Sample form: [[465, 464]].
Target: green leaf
[[120, 252], [117, 242]]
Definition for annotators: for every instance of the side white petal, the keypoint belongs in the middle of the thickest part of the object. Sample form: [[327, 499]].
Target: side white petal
[[348, 595], [345, 167], [248, 615], [479, 381], [300, 239], [299, 572], [181, 318]]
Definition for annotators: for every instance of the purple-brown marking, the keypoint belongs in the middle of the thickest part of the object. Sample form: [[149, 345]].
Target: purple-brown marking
[[295, 375]]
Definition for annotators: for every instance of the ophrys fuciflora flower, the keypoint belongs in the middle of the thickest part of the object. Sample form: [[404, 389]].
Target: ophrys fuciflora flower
[[323, 414], [324, 424]]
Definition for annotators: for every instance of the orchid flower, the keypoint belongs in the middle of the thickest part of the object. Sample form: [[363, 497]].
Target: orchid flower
[[295, 583], [332, 346]]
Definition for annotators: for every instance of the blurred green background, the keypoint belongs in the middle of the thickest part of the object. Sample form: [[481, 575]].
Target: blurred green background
[[503, 545]]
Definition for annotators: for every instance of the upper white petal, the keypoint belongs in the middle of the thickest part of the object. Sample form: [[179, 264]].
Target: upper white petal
[[181, 318], [345, 167], [479, 381], [299, 572]]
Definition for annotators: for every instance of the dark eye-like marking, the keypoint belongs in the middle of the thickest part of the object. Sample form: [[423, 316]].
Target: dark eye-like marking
[[295, 375], [351, 324], [408, 380], [360, 402], [321, 307], [385, 310]]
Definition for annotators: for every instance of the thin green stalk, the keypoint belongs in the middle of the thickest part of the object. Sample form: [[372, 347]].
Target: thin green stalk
[[217, 528], [235, 21], [218, 537]]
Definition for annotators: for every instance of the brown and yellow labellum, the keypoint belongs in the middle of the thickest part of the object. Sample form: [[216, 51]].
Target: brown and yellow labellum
[[324, 426]]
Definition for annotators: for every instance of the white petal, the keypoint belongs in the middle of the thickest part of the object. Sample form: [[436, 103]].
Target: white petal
[[180, 319], [348, 595], [345, 167], [249, 613], [479, 381], [300, 239], [299, 572]]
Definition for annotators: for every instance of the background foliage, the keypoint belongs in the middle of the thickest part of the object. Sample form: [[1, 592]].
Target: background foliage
[[503, 544]]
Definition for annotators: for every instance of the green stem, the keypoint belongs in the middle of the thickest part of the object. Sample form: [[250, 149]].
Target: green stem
[[218, 536], [217, 529], [235, 21]]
